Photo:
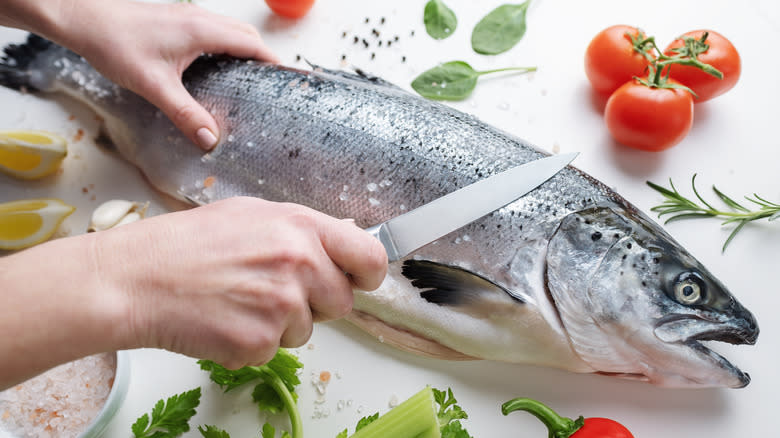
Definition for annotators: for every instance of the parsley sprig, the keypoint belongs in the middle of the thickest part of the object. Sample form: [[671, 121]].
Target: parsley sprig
[[170, 418], [679, 207]]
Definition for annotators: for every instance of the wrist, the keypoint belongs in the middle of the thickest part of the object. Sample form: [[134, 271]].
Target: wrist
[[55, 305]]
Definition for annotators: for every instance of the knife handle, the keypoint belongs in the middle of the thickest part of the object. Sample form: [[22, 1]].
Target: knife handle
[[382, 233]]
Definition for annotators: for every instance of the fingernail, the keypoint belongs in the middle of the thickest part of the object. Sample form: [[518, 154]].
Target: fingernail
[[206, 138]]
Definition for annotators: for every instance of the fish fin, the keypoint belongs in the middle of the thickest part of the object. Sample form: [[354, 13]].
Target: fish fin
[[17, 58], [449, 285], [358, 75], [404, 339]]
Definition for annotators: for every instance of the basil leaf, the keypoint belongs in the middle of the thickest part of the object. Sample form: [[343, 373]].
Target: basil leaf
[[499, 30], [440, 21], [454, 80]]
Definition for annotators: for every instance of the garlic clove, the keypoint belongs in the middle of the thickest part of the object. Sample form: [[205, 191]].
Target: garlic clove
[[116, 212]]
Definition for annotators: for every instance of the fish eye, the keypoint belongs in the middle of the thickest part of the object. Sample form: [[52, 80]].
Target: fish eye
[[689, 288]]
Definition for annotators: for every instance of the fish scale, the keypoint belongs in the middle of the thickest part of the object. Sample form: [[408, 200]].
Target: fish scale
[[570, 276]]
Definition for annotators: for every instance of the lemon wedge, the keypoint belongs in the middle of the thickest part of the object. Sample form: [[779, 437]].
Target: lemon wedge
[[31, 154], [28, 222]]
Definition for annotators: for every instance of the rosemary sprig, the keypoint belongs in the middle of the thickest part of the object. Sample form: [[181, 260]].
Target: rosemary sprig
[[680, 207]]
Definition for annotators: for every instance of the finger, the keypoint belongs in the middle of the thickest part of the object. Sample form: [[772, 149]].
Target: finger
[[298, 330], [330, 297], [186, 113], [355, 252], [236, 38]]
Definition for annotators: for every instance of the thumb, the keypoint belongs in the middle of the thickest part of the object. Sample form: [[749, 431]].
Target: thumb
[[187, 114]]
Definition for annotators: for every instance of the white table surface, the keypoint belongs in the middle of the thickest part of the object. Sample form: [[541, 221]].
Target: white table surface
[[733, 144]]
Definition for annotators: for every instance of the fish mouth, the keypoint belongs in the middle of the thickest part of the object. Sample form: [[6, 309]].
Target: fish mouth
[[691, 331], [740, 378]]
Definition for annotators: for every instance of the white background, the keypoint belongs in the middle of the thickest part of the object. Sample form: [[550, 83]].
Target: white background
[[733, 144]]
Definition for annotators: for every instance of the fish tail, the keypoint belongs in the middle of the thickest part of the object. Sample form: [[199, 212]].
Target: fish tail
[[15, 65]]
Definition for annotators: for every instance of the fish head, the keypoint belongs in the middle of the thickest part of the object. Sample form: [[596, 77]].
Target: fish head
[[635, 304]]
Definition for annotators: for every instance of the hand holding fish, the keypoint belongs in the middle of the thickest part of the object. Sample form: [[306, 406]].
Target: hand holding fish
[[144, 47], [189, 282]]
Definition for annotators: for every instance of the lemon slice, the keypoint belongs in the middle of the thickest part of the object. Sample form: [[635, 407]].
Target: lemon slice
[[29, 222], [31, 154]]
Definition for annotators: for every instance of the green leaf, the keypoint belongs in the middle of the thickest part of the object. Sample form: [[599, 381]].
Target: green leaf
[[268, 431], [454, 80], [170, 418], [450, 414], [275, 393], [229, 379], [454, 430], [440, 21], [140, 425], [213, 432], [342, 434], [365, 421], [285, 365], [500, 30], [267, 398]]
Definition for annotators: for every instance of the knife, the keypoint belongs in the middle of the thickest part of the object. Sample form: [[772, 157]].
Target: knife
[[405, 233]]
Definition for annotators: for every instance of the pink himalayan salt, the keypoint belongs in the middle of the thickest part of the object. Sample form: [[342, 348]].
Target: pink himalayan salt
[[60, 402]]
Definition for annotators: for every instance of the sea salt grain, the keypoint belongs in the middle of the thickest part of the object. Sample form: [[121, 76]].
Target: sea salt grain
[[61, 402]]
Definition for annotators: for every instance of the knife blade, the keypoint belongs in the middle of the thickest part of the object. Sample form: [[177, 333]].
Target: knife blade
[[405, 233]]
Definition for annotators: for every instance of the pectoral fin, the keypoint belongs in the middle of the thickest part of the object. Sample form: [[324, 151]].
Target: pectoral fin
[[449, 285]]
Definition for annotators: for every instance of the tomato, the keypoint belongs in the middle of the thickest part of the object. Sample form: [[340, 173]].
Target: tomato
[[610, 59], [648, 118], [721, 54], [290, 8]]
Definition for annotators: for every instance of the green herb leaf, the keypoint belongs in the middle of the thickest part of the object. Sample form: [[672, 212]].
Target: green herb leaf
[[365, 421], [267, 398], [276, 392], [679, 207], [454, 80], [213, 432], [500, 30], [270, 432], [170, 418], [440, 21]]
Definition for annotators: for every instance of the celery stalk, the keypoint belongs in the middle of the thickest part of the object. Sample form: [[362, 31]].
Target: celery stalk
[[416, 417]]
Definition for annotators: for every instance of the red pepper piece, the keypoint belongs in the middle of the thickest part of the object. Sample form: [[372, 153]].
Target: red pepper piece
[[562, 427]]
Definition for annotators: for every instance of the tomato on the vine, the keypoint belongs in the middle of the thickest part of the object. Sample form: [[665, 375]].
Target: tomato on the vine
[[721, 54], [290, 8], [649, 118], [610, 59]]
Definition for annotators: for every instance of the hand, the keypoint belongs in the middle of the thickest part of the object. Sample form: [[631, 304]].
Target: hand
[[146, 47], [234, 280]]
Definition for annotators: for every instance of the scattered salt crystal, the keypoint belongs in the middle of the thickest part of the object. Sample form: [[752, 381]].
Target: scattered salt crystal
[[374, 202], [310, 346], [60, 402], [371, 187], [340, 405], [393, 402]]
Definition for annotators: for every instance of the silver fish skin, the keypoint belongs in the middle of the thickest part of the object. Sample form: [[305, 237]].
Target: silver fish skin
[[570, 276]]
